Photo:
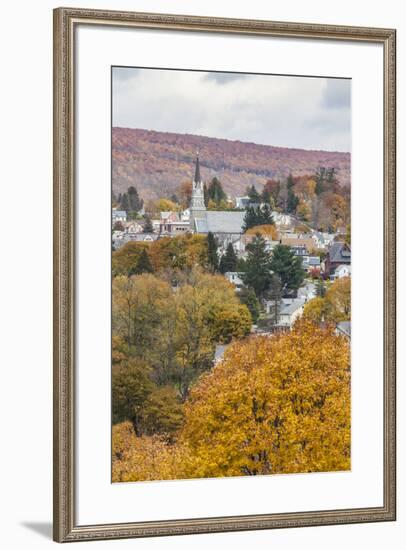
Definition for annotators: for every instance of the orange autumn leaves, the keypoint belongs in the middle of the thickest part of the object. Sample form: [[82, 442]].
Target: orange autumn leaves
[[273, 405]]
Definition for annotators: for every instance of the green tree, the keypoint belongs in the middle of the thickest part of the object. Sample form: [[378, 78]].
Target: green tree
[[320, 288], [213, 259], [290, 182], [206, 195], [229, 260], [288, 266], [264, 215], [143, 264], [248, 297], [215, 191], [135, 203], [125, 203], [148, 227], [131, 387], [253, 195], [250, 218], [293, 201], [274, 295], [255, 216], [258, 266], [325, 179]]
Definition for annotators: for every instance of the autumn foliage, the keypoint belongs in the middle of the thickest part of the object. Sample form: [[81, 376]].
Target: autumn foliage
[[334, 307], [273, 405]]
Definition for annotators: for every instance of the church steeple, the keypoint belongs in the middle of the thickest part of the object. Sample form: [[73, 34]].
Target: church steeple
[[197, 170], [197, 206]]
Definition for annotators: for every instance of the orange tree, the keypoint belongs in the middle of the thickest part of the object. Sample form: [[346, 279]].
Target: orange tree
[[267, 230], [273, 405]]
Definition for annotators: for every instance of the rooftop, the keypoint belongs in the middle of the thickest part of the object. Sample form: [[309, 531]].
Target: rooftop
[[220, 222], [288, 309]]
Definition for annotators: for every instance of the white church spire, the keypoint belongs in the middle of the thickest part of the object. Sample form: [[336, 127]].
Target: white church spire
[[197, 206]]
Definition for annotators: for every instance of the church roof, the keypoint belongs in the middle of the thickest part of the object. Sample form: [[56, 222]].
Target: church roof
[[220, 221], [197, 171]]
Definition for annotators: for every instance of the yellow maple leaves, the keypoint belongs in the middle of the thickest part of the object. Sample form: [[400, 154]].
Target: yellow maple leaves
[[276, 404]]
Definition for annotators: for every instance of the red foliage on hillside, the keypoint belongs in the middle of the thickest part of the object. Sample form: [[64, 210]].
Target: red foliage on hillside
[[156, 163]]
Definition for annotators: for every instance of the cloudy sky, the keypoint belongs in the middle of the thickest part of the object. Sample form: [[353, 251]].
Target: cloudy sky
[[286, 111]]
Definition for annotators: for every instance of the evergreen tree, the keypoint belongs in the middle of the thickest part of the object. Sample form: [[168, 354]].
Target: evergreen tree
[[266, 196], [320, 288], [135, 203], [290, 182], [125, 203], [250, 218], [320, 177], [215, 191], [229, 260], [143, 264], [288, 267], [264, 215], [248, 297], [212, 251], [274, 295], [253, 195], [257, 216], [148, 227], [282, 195], [293, 201], [206, 195], [257, 266]]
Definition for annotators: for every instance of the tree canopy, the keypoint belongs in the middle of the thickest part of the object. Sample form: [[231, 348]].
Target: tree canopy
[[229, 260], [288, 267], [333, 305], [271, 406], [260, 215], [257, 266]]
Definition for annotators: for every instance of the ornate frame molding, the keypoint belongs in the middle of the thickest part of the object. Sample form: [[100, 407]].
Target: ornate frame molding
[[65, 20]]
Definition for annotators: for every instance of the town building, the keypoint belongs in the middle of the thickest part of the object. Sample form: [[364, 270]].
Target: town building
[[343, 270], [235, 278], [344, 329], [290, 311], [226, 225], [339, 253], [171, 224], [119, 216]]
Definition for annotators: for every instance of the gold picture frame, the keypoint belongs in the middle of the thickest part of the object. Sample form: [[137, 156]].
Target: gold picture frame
[[65, 21]]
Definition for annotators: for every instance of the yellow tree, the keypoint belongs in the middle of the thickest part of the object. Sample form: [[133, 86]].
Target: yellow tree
[[338, 298], [273, 405], [144, 458], [266, 230], [334, 307], [316, 310]]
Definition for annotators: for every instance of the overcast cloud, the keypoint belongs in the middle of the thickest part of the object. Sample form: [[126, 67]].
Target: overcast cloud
[[302, 112]]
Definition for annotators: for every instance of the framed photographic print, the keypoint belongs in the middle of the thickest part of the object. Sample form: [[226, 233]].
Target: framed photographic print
[[224, 274]]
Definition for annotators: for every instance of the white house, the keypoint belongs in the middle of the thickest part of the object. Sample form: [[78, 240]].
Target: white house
[[133, 227], [291, 309], [341, 271], [119, 216], [307, 292], [282, 219], [235, 278], [344, 329], [242, 202]]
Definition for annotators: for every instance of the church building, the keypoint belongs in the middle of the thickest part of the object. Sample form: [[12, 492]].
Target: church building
[[226, 225]]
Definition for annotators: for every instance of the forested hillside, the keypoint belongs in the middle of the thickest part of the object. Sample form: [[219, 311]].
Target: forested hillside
[[156, 163]]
